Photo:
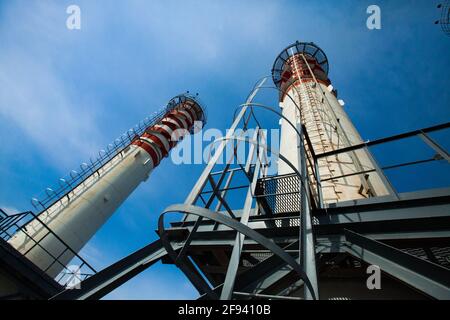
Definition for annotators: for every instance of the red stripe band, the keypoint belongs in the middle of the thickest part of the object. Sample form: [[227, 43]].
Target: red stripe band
[[174, 118], [149, 150]]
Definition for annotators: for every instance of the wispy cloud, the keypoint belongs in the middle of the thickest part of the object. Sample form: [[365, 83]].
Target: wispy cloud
[[58, 85], [94, 256], [34, 95], [42, 108]]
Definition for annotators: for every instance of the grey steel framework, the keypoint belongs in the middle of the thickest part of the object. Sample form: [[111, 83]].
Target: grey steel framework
[[263, 249]]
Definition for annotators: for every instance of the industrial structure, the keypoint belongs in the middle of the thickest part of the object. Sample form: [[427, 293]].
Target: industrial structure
[[308, 232], [444, 20]]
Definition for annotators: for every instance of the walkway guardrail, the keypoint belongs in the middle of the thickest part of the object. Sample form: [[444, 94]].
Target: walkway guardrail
[[12, 224], [441, 154]]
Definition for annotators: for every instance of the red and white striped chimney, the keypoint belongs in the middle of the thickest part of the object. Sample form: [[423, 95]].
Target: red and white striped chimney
[[78, 214]]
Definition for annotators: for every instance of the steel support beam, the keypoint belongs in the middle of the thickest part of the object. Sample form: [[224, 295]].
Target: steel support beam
[[115, 275], [239, 227], [384, 140], [192, 197], [435, 146], [425, 276], [233, 265]]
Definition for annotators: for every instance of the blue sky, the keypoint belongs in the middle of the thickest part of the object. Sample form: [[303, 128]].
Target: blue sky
[[66, 94]]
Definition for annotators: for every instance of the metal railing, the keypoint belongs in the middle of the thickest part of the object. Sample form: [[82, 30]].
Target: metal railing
[[441, 154], [279, 194], [283, 191], [14, 224]]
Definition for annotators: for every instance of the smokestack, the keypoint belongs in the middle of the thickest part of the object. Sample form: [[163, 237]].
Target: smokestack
[[75, 214], [301, 74]]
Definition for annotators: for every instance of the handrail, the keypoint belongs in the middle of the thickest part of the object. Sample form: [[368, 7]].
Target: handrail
[[384, 140], [15, 223]]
